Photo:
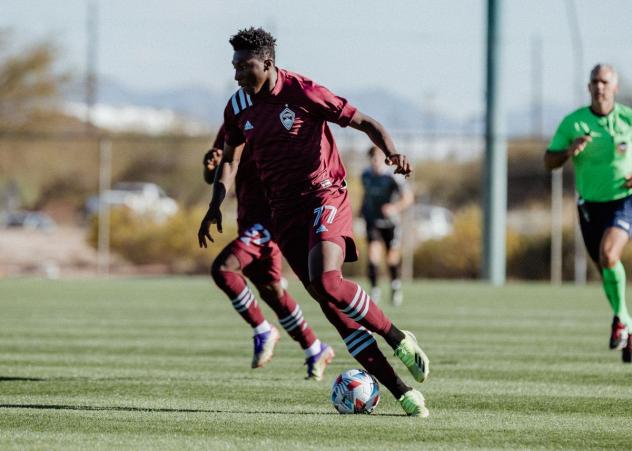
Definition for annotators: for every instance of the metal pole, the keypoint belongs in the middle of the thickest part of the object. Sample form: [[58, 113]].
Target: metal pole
[[557, 175], [409, 241], [409, 236], [105, 176], [537, 71], [557, 197], [578, 50], [495, 175]]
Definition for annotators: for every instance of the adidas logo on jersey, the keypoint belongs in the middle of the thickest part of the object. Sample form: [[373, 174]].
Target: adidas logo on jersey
[[321, 229], [248, 126]]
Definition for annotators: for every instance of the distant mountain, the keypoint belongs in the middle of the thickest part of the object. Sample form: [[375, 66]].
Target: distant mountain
[[192, 102], [204, 105], [521, 123], [401, 114]]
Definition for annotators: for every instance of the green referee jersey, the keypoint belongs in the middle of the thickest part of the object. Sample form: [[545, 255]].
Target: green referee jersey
[[600, 170]]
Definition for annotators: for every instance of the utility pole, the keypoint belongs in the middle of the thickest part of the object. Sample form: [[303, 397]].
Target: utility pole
[[557, 182], [580, 92], [537, 96], [91, 62], [104, 144], [495, 175], [103, 236]]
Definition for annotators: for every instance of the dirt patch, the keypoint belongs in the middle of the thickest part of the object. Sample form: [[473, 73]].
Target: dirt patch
[[60, 252]]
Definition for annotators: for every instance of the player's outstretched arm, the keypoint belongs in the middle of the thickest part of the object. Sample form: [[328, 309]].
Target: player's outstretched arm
[[224, 177], [380, 137]]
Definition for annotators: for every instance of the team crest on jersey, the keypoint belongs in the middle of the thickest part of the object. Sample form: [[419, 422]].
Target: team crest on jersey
[[622, 147], [287, 118]]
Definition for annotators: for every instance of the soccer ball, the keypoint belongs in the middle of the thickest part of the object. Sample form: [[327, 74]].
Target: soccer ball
[[355, 391]]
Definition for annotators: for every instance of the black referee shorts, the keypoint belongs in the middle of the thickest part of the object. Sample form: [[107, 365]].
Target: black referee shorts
[[596, 217]]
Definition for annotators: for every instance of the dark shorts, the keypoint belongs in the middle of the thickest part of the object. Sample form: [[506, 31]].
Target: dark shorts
[[324, 218], [389, 235], [259, 256], [596, 217]]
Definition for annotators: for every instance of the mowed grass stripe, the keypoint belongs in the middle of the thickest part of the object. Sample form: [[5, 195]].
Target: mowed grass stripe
[[164, 363]]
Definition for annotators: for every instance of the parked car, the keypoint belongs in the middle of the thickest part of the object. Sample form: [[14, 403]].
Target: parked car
[[142, 198], [33, 220], [432, 221]]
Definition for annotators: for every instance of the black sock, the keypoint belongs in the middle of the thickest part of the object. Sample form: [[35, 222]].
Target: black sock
[[372, 272], [394, 271], [394, 336], [372, 359]]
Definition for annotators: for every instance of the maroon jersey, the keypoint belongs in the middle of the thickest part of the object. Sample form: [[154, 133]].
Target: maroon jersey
[[252, 204], [287, 133]]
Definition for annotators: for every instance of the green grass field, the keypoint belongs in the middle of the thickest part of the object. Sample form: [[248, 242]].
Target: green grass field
[[150, 364]]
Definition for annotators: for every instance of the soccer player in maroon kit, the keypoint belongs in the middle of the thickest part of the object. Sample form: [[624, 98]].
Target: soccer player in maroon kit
[[282, 116], [256, 255]]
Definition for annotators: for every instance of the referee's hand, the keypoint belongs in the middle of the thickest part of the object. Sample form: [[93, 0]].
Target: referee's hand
[[579, 144]]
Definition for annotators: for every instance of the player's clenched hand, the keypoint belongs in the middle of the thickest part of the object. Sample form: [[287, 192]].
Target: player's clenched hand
[[628, 181], [401, 162], [212, 216], [579, 144], [212, 158]]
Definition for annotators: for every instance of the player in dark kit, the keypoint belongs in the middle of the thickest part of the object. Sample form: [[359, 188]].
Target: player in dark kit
[[256, 255], [385, 197], [282, 116]]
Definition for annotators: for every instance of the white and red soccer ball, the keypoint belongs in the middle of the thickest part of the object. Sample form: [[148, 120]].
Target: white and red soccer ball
[[355, 391]]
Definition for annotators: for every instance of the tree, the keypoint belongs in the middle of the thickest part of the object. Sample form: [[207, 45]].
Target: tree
[[29, 83]]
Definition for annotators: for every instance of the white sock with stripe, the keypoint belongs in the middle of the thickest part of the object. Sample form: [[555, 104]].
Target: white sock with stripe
[[313, 349], [261, 328]]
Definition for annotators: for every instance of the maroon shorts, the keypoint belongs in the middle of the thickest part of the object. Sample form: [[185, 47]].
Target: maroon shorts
[[259, 256], [326, 217]]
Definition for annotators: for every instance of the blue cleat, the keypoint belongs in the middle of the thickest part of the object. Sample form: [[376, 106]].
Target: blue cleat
[[264, 344], [317, 364]]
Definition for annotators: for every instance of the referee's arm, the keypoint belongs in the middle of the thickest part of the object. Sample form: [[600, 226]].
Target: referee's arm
[[555, 159]]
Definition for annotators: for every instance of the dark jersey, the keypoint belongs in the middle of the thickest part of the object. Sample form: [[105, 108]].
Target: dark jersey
[[287, 133], [380, 189], [252, 204]]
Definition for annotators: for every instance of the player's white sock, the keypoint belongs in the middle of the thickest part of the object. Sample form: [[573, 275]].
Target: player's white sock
[[261, 328], [313, 349]]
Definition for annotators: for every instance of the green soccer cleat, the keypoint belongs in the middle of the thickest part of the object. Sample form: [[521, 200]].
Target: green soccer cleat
[[414, 404], [411, 355]]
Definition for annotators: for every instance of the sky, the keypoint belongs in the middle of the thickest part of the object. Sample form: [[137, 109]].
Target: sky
[[432, 52]]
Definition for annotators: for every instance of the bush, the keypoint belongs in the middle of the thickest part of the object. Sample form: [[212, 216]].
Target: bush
[[172, 243], [533, 262], [459, 254]]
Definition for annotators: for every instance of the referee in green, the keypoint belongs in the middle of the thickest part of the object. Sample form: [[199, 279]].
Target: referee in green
[[598, 138]]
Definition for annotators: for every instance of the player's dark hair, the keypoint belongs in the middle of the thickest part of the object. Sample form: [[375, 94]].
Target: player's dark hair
[[255, 40], [372, 150]]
